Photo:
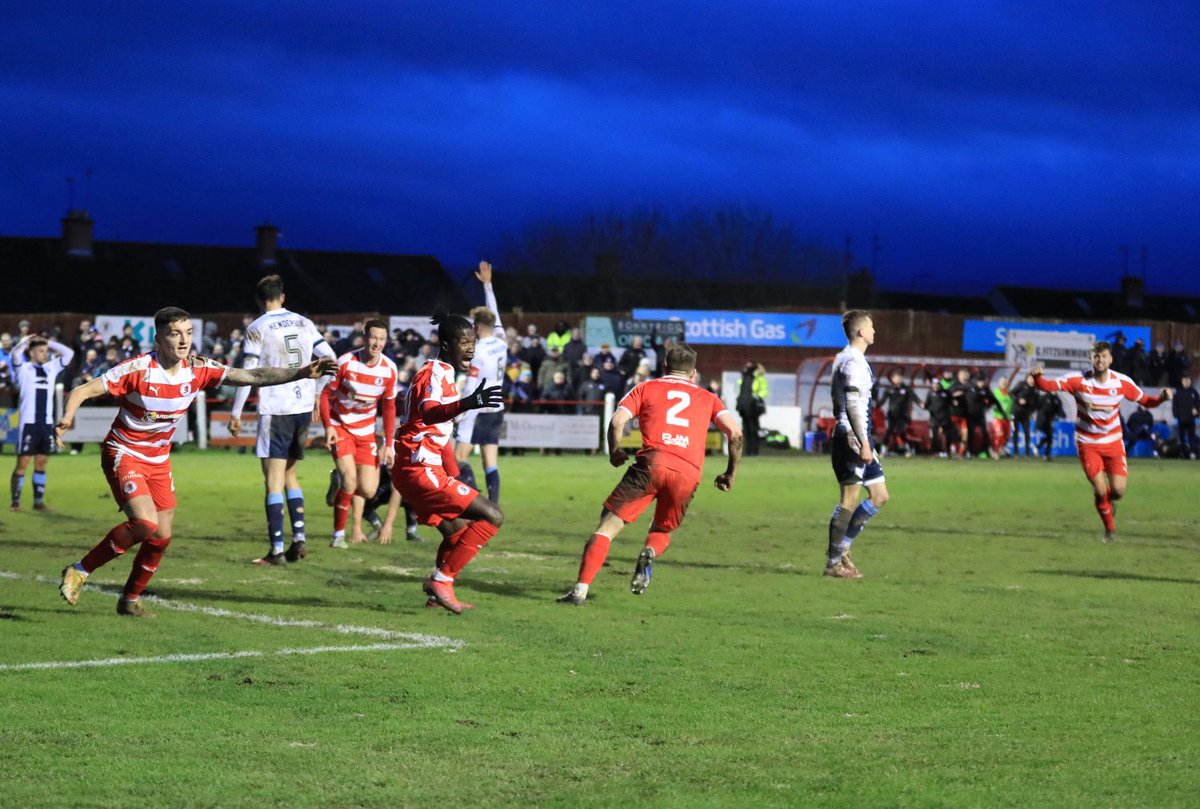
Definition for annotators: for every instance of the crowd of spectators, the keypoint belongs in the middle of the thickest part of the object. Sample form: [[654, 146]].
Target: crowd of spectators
[[558, 373], [1155, 368], [552, 373]]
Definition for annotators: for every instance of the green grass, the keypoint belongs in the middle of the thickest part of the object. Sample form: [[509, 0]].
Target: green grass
[[996, 654]]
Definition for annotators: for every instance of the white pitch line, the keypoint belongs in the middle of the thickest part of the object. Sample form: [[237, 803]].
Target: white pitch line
[[400, 640], [199, 658]]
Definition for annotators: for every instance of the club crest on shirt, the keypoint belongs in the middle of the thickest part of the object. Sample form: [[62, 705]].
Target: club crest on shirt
[[185, 388]]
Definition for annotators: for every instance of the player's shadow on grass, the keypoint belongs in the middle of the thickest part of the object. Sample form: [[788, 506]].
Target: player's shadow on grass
[[188, 594], [13, 542], [1118, 575], [468, 583], [8, 613]]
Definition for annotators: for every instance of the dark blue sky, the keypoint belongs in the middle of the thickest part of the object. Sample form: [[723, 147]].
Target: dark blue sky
[[983, 142]]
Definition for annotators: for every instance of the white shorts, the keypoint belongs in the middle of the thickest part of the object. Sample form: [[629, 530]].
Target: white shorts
[[464, 426]]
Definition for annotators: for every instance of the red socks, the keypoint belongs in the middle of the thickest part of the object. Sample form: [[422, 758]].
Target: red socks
[[120, 539], [341, 510], [467, 543], [594, 554], [1105, 510], [659, 541], [148, 557]]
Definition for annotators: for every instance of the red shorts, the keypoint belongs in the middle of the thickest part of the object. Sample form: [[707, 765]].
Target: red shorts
[[672, 490], [431, 493], [131, 477], [362, 447], [1097, 458], [960, 423]]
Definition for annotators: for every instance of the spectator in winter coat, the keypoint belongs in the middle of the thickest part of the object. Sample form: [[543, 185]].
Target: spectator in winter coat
[[591, 390], [575, 349], [559, 390], [1186, 408], [551, 365]]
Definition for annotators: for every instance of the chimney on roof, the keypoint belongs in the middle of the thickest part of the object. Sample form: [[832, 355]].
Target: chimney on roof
[[267, 241], [1133, 289], [77, 233]]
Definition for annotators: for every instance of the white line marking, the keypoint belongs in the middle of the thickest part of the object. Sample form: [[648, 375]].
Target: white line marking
[[398, 640]]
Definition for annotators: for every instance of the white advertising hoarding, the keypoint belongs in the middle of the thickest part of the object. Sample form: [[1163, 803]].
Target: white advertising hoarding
[[1050, 349], [550, 431]]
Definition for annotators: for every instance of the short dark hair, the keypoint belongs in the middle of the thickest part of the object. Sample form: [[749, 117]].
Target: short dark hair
[[167, 315], [681, 357], [1101, 345], [375, 323], [35, 342], [852, 320], [270, 288]]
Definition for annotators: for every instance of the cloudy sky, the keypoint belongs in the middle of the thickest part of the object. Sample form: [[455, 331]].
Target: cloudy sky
[[982, 142]]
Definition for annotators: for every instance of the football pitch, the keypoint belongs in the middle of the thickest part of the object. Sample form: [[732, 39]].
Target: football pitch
[[996, 654]]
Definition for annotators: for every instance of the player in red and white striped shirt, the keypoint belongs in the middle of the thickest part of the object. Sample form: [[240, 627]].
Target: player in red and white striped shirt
[[154, 392], [365, 383], [1098, 395], [466, 519]]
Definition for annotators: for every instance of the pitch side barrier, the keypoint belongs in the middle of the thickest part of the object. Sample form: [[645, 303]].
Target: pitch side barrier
[[209, 427], [555, 430], [814, 375]]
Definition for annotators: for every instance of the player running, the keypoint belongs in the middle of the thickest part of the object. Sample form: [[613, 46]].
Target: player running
[[483, 427], [673, 413], [467, 520], [854, 462], [1098, 394], [36, 373], [281, 339], [154, 392], [365, 383]]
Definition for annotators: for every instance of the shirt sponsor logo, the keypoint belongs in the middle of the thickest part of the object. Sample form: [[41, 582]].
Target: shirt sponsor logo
[[670, 440]]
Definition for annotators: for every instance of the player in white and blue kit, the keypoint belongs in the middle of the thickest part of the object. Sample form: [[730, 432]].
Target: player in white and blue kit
[[35, 372], [281, 338], [483, 427], [854, 460]]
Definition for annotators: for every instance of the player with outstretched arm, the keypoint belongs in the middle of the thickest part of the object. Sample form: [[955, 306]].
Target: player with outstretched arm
[[673, 413], [483, 427], [466, 519], [1098, 394], [154, 392]]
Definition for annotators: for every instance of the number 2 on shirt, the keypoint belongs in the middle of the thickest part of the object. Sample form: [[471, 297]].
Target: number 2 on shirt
[[673, 411]]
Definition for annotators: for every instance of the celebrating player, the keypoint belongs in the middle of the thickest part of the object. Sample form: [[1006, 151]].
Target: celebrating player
[[483, 427], [467, 520], [673, 413], [365, 382], [35, 375], [281, 339], [154, 392], [854, 463], [1098, 394]]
